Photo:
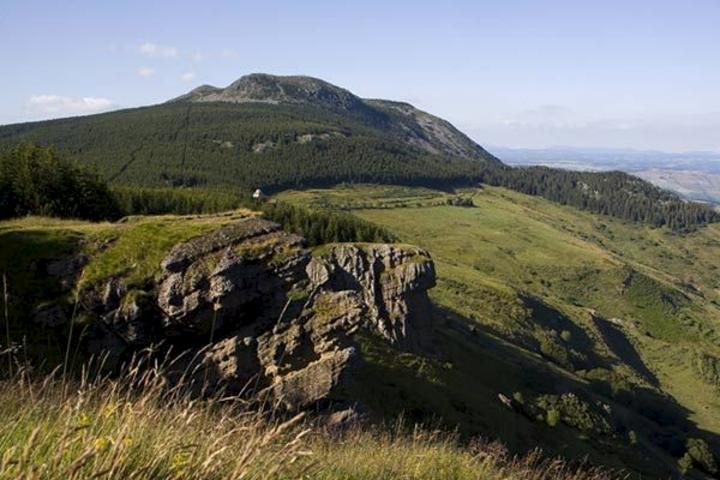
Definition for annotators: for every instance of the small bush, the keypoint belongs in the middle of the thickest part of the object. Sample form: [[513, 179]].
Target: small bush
[[553, 417], [574, 411], [685, 463], [701, 455], [459, 201]]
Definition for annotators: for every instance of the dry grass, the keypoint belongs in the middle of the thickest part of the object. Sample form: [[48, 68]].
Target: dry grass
[[139, 427], [419, 454]]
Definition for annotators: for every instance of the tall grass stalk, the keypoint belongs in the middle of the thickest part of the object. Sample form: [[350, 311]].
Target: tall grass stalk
[[7, 323]]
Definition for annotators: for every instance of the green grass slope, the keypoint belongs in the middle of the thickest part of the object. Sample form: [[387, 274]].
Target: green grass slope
[[629, 312], [455, 387]]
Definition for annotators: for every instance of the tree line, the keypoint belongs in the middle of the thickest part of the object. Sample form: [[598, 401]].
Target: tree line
[[616, 194], [36, 181]]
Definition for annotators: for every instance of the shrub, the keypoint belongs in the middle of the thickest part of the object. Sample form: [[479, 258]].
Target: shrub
[[685, 463], [566, 336], [459, 201], [701, 455], [708, 368], [552, 349], [573, 411], [553, 417]]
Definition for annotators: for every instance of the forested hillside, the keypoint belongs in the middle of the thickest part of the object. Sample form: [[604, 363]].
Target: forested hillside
[[277, 133]]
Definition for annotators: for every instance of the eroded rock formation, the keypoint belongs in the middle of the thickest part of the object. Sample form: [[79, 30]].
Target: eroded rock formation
[[263, 315]]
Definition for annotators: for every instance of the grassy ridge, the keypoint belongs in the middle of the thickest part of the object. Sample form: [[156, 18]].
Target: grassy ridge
[[493, 259], [555, 299]]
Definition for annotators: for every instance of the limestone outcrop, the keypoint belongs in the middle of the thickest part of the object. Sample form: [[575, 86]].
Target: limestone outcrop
[[260, 315], [392, 281]]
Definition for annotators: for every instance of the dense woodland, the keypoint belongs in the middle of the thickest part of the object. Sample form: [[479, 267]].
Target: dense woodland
[[275, 147], [37, 181], [609, 193]]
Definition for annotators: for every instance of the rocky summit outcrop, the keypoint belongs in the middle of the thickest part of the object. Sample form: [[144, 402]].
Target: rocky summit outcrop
[[237, 275], [259, 314], [274, 89]]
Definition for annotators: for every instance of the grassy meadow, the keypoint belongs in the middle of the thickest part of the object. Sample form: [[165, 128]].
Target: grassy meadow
[[662, 287], [530, 295]]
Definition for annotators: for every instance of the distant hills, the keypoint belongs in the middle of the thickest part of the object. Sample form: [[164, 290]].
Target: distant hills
[[693, 175]]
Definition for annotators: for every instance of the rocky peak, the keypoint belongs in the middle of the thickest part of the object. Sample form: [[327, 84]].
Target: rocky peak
[[402, 121], [275, 89], [430, 133]]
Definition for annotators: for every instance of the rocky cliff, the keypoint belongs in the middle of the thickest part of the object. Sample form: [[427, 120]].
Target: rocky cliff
[[259, 313]]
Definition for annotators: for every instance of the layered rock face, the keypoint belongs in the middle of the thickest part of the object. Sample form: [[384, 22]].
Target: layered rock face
[[301, 361], [261, 315], [236, 275], [392, 282]]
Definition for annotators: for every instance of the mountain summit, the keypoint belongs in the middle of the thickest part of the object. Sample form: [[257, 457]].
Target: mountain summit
[[264, 88], [415, 127]]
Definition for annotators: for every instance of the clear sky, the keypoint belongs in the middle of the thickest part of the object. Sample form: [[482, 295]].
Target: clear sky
[[520, 73]]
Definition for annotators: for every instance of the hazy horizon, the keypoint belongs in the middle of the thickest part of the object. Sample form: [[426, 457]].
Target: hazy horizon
[[524, 74]]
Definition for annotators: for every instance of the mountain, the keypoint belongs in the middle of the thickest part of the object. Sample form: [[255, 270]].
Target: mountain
[[267, 131], [417, 128], [592, 334]]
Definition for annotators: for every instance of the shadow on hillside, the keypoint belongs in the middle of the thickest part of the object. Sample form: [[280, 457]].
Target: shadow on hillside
[[577, 342], [618, 343], [507, 367]]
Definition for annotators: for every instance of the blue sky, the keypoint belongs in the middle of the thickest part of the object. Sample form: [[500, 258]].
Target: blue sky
[[624, 74]]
